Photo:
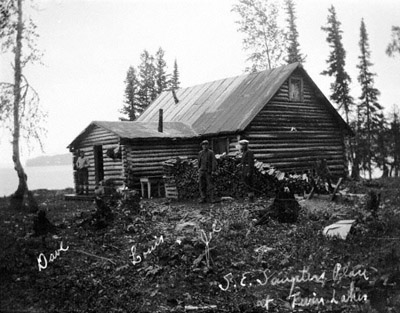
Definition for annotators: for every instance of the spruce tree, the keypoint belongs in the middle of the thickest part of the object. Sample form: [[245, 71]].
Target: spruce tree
[[293, 48], [394, 46], [160, 71], [382, 145], [336, 65], [132, 107], [394, 141], [174, 82], [370, 109]]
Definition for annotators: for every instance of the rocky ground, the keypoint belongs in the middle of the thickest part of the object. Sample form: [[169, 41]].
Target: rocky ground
[[187, 257]]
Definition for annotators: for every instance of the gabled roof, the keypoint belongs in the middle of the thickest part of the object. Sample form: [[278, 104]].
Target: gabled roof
[[223, 106], [139, 130], [227, 105]]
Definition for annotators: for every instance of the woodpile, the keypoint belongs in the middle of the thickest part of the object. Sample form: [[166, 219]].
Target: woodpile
[[183, 173]]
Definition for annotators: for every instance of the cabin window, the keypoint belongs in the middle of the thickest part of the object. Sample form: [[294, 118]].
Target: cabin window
[[295, 89], [220, 145]]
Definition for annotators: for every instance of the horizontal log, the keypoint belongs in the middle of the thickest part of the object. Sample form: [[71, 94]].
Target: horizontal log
[[288, 126], [113, 170], [267, 158], [271, 145], [290, 106], [294, 150], [162, 152], [100, 136], [164, 144], [292, 135], [282, 119], [135, 168], [90, 144]]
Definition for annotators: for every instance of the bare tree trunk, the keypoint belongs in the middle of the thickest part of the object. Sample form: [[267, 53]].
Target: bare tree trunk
[[22, 190]]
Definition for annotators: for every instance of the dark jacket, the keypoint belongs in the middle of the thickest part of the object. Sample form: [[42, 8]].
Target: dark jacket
[[248, 162], [207, 161]]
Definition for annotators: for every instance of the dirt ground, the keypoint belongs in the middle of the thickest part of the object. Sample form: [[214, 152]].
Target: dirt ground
[[189, 257]]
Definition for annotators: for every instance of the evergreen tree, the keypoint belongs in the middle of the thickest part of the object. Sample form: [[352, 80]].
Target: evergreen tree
[[394, 46], [264, 39], [147, 92], [132, 107], [142, 86], [160, 71], [394, 142], [370, 109], [293, 48], [336, 65], [174, 82], [382, 149]]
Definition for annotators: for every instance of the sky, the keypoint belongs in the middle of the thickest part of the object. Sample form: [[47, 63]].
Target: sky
[[88, 46]]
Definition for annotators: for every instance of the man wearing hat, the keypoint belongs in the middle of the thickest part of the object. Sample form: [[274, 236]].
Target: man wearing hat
[[248, 167], [207, 165]]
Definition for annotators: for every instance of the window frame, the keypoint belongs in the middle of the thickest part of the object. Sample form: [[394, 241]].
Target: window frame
[[217, 140], [301, 91]]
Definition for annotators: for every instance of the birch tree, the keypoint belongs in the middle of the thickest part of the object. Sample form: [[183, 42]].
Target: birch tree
[[19, 105], [263, 38]]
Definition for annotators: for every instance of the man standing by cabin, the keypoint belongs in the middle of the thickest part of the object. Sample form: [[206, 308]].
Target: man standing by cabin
[[247, 162], [82, 166], [207, 166]]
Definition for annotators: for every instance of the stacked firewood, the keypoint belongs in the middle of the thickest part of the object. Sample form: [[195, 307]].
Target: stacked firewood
[[227, 178]]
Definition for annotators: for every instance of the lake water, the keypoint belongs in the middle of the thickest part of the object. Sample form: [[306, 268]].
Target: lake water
[[40, 177]]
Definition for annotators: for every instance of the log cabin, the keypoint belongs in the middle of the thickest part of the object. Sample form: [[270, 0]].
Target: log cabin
[[289, 122]]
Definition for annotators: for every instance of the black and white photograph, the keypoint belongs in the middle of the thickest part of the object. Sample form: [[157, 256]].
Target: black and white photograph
[[200, 156]]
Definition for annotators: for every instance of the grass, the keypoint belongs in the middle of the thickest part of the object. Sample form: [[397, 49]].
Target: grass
[[180, 273]]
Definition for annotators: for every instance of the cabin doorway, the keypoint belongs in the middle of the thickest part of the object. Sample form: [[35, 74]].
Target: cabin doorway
[[98, 163]]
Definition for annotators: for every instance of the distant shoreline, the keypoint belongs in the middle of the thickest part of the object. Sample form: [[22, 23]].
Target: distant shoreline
[[39, 177], [53, 160], [45, 165]]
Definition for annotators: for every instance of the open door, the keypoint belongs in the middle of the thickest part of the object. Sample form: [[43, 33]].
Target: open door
[[98, 163]]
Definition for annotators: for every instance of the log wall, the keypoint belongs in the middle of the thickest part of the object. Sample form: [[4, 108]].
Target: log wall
[[146, 158], [113, 169], [291, 136]]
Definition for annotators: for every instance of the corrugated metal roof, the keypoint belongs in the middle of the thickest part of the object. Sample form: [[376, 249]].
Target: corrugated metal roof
[[226, 105], [136, 129], [223, 106], [139, 130]]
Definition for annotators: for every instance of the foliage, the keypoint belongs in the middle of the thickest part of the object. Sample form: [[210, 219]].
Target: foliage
[[147, 77], [394, 142], [293, 47], [175, 276], [370, 111], [144, 84], [336, 65], [175, 83], [394, 46], [19, 101], [132, 105], [160, 71], [263, 38]]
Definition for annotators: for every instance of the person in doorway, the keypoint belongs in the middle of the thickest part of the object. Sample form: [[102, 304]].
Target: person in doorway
[[207, 166], [247, 162], [82, 166]]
